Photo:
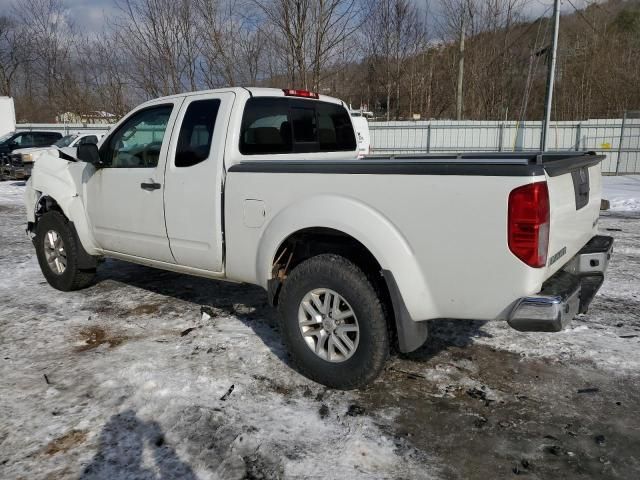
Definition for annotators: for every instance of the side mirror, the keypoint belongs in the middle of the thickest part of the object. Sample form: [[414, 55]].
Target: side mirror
[[88, 152]]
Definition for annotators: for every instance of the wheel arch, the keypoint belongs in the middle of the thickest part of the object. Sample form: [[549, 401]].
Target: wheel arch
[[347, 226], [73, 210]]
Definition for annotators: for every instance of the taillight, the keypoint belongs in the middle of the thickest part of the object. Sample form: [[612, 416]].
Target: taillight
[[528, 224], [289, 92]]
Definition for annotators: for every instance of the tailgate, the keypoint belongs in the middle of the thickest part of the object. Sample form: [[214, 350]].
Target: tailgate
[[575, 189]]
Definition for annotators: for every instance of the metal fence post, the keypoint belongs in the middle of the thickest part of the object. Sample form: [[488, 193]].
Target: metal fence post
[[624, 122], [429, 137], [578, 136], [500, 136]]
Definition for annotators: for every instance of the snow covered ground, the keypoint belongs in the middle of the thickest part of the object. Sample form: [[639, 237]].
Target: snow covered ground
[[128, 379], [623, 192]]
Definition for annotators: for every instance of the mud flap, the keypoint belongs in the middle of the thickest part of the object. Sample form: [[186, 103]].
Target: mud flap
[[411, 334], [85, 261], [273, 291]]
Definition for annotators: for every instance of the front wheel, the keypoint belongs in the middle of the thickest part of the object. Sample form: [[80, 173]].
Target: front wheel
[[57, 249], [333, 322]]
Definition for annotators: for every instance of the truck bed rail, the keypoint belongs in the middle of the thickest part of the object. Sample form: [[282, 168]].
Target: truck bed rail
[[482, 164]]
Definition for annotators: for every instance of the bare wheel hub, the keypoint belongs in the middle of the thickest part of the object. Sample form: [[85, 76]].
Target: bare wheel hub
[[328, 325], [54, 252]]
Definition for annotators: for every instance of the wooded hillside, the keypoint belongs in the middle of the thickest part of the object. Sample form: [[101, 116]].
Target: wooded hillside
[[397, 58]]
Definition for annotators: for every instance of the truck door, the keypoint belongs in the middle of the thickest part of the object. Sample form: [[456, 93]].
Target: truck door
[[124, 198], [193, 181]]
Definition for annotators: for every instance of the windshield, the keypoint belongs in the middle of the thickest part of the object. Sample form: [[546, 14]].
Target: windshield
[[6, 137], [65, 141]]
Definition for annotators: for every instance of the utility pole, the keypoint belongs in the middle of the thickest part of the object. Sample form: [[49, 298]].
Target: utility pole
[[551, 78], [463, 33]]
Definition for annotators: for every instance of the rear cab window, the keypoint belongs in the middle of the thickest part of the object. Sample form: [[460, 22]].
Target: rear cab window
[[280, 125]]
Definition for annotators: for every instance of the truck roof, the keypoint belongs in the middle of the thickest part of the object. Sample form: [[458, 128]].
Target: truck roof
[[253, 91]]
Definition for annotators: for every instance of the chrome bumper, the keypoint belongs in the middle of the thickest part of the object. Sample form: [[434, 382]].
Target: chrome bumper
[[567, 293]]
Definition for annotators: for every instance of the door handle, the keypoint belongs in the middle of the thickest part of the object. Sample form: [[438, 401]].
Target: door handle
[[150, 186]]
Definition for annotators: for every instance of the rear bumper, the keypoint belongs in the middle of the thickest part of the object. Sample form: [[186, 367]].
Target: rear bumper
[[567, 293]]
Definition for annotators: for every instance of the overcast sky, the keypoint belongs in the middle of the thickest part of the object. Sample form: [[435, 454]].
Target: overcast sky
[[90, 14]]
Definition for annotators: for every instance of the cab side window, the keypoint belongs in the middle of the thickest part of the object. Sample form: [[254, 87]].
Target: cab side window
[[137, 143], [196, 132]]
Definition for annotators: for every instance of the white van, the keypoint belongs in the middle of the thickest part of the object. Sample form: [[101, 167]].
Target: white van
[[361, 127]]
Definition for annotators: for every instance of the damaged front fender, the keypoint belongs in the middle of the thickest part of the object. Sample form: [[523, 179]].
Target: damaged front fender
[[62, 181]]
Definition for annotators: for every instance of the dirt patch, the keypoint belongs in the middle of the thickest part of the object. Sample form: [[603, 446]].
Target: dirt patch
[[513, 415], [104, 308], [93, 337], [274, 386], [66, 442], [144, 309]]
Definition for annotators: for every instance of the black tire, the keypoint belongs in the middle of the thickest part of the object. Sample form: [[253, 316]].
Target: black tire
[[72, 278], [336, 273]]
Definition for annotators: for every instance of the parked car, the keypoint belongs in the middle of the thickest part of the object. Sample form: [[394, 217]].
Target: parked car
[[18, 140], [22, 160], [263, 186]]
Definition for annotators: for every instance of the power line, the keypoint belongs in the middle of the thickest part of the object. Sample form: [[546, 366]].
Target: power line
[[533, 67], [519, 37], [551, 77], [582, 15]]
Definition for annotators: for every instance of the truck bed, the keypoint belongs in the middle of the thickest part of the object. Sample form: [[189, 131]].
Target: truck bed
[[449, 212]]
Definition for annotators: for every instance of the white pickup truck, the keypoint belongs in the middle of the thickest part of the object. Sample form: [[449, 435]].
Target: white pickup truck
[[264, 186]]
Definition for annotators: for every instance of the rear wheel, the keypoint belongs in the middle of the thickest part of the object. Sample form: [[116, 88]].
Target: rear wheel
[[57, 250], [333, 322]]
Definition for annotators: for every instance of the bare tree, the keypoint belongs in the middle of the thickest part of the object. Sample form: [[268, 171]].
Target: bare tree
[[457, 22], [15, 52], [232, 43], [333, 22], [46, 23], [311, 32], [159, 39], [290, 19], [394, 33], [372, 52], [103, 65]]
